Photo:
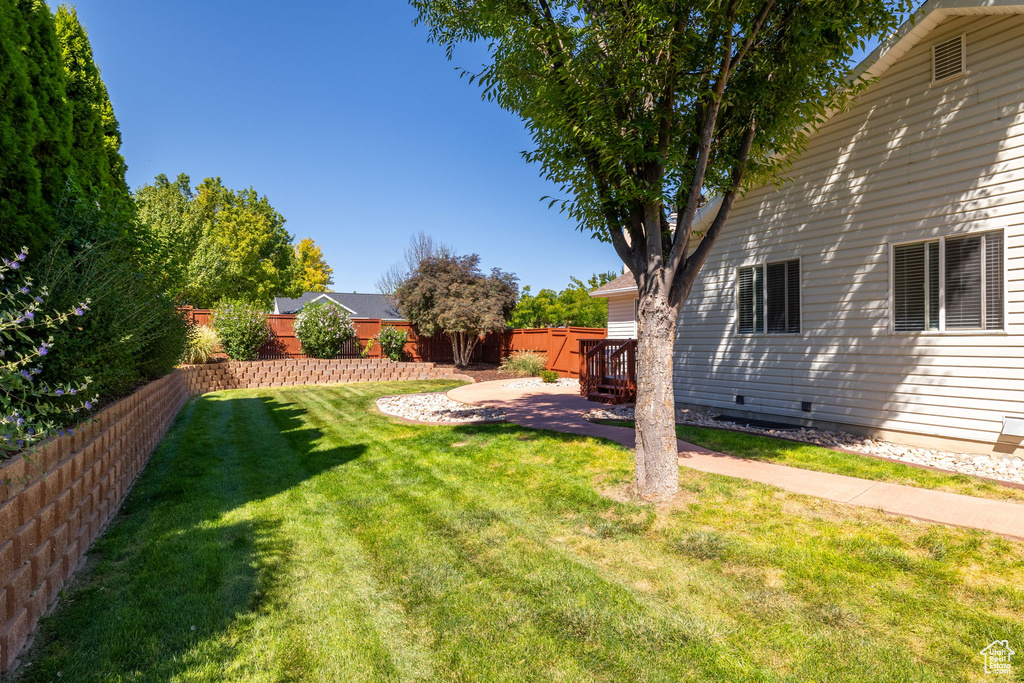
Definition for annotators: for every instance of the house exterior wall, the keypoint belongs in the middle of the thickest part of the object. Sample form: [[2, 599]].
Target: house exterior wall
[[622, 316], [910, 161]]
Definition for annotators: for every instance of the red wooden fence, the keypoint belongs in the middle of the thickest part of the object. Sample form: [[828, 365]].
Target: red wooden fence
[[560, 344]]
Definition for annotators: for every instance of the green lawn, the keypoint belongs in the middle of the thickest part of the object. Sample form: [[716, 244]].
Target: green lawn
[[810, 457], [294, 534]]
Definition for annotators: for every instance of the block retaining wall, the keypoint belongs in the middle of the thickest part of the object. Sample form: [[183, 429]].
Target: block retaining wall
[[60, 501]]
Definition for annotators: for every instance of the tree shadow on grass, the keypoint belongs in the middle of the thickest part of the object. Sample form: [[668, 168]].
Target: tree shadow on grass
[[188, 566]]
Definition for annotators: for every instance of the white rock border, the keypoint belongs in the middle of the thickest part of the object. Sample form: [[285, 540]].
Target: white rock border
[[538, 383], [1009, 469], [436, 408]]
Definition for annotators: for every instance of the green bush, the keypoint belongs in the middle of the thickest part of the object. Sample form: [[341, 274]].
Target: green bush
[[392, 342], [242, 328], [526, 363], [322, 329], [203, 342], [134, 332], [549, 376]]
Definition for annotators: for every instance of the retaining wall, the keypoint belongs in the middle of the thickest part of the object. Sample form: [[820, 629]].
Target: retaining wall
[[57, 503]]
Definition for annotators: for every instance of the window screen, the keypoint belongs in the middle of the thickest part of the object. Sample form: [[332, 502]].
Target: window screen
[[782, 285]]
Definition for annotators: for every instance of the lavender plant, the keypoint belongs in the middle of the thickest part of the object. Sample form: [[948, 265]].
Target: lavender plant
[[30, 409], [323, 329]]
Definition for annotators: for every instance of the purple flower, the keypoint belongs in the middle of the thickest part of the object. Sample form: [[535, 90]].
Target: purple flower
[[73, 392], [79, 311], [15, 265], [60, 432], [60, 392], [26, 374], [29, 315], [21, 256], [70, 431], [88, 405], [43, 350], [39, 299], [23, 289]]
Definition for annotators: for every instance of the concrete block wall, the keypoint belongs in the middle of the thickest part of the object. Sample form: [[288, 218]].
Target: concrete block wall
[[54, 505]]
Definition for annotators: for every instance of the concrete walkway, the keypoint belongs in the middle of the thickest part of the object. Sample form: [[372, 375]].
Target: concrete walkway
[[559, 409]]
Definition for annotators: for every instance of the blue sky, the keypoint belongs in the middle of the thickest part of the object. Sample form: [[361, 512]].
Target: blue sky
[[358, 131]]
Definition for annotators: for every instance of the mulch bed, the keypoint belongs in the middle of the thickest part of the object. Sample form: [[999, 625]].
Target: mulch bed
[[481, 372]]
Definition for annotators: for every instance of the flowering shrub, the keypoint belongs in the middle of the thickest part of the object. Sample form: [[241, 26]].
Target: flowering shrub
[[30, 409], [392, 342], [322, 329], [242, 328], [202, 343]]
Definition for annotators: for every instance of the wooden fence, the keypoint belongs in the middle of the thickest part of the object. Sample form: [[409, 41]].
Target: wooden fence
[[560, 344]]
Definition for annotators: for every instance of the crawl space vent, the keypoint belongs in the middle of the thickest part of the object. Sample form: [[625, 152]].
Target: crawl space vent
[[948, 59]]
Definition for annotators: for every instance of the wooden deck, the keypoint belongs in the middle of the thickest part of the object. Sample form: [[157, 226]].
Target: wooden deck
[[608, 370]]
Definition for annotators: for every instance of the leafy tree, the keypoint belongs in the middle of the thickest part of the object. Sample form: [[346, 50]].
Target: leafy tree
[[215, 242], [97, 136], [449, 294], [573, 306], [637, 109], [312, 274]]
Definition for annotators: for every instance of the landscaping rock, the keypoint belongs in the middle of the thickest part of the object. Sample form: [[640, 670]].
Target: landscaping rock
[[436, 408], [1005, 469], [538, 383]]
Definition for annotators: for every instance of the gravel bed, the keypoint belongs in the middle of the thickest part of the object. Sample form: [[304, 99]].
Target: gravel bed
[[537, 382], [995, 467], [436, 408]]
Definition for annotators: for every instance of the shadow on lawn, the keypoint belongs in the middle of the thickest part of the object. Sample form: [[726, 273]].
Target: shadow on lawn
[[174, 576]]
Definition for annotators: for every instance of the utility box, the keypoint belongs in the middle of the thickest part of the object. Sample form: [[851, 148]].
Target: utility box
[[1013, 426]]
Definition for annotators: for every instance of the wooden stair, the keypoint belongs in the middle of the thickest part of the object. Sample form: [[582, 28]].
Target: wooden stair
[[608, 370]]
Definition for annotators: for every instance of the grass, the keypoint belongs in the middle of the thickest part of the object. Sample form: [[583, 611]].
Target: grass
[[810, 457], [295, 534]]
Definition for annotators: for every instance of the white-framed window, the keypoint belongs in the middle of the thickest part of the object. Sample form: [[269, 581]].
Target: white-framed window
[[948, 284], [768, 298]]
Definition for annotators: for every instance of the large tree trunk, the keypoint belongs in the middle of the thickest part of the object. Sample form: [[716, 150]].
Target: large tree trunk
[[657, 457]]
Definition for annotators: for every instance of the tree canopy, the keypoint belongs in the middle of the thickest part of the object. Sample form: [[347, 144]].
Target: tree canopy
[[639, 110], [312, 274], [213, 242], [449, 294], [573, 306]]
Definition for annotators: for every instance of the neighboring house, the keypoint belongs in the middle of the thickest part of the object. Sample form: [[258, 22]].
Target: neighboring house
[[356, 305], [881, 289], [622, 298]]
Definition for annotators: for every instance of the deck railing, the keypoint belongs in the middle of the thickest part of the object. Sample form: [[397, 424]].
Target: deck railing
[[608, 370]]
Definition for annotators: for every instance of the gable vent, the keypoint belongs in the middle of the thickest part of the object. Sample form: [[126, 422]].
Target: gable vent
[[948, 59]]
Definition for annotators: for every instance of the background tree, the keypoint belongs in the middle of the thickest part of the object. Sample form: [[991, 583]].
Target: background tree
[[449, 294], [573, 306], [312, 274], [214, 242], [97, 136], [421, 246], [637, 109]]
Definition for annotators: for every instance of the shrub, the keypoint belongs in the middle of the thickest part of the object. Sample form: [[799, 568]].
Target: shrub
[[242, 328], [364, 351], [30, 408], [549, 376], [203, 342], [134, 332], [524, 363], [392, 342], [322, 329]]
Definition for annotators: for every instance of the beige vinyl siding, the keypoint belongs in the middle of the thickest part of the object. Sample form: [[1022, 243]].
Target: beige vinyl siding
[[909, 162], [622, 316]]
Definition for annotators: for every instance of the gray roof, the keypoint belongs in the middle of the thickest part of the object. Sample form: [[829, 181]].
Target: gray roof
[[358, 305]]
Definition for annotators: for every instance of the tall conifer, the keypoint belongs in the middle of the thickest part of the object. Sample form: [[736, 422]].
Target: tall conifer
[[97, 136]]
